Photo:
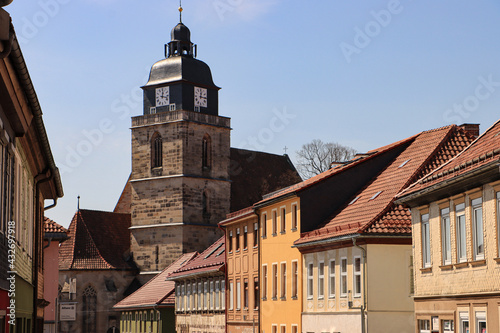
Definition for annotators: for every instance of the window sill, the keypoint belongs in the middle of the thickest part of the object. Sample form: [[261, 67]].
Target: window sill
[[245, 249], [294, 229], [275, 234], [294, 297], [476, 263], [426, 270], [282, 298], [461, 264], [446, 267], [282, 232], [264, 237], [264, 298], [274, 298]]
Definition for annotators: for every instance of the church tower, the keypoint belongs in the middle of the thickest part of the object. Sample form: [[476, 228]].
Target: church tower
[[180, 159]]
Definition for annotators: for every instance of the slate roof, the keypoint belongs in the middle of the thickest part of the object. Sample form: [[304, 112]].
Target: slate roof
[[372, 210], [51, 227], [483, 151], [98, 240], [211, 260], [157, 290], [252, 175]]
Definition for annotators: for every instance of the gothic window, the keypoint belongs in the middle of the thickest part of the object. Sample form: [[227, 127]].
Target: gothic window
[[89, 310], [156, 150], [206, 152]]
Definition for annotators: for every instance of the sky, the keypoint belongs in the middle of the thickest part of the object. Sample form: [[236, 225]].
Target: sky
[[359, 73]]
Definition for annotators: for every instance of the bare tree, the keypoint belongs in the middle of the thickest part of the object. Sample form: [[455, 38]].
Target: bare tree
[[317, 156]]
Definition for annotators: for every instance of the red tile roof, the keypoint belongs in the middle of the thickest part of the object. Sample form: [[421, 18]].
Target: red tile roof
[[157, 290], [51, 227], [373, 210], [484, 150], [209, 261], [98, 240]]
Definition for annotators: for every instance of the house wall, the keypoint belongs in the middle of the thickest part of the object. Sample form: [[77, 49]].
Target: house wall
[[51, 277], [282, 313], [444, 291], [242, 265]]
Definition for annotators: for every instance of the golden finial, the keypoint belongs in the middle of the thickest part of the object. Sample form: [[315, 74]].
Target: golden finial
[[180, 11]]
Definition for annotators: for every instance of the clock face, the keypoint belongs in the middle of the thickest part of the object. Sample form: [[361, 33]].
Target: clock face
[[200, 97], [162, 96]]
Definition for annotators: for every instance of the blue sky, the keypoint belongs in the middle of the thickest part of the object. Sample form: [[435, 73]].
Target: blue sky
[[360, 73]]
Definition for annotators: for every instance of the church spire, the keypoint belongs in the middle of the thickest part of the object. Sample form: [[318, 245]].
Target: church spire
[[180, 43], [180, 11]]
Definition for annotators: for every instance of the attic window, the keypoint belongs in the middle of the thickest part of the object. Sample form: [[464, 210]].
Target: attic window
[[404, 163], [215, 249], [354, 200], [375, 195]]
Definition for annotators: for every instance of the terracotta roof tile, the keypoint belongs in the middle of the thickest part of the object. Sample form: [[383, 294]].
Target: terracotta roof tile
[[98, 240], [157, 290], [210, 260], [484, 150], [51, 227], [374, 211]]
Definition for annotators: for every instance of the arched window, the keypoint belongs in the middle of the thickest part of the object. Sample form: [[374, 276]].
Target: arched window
[[206, 152], [89, 310], [156, 151]]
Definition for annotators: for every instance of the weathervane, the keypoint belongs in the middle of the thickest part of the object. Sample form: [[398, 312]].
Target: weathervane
[[180, 11]]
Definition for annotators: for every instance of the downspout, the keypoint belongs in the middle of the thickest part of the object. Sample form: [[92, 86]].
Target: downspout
[[365, 287], [40, 179]]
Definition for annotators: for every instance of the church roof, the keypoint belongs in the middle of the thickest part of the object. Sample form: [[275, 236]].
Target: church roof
[[157, 290], [98, 240], [372, 210], [210, 261]]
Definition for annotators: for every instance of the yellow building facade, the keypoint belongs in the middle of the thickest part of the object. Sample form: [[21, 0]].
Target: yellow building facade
[[280, 267]]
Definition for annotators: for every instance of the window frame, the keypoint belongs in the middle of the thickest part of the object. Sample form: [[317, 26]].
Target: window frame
[[445, 236], [295, 278], [275, 281], [246, 294], [238, 295], [283, 280], [264, 225], [343, 277], [310, 280], [245, 237], [256, 234], [295, 213], [461, 232], [356, 274], [321, 280], [331, 278], [283, 219], [425, 241], [477, 228], [231, 295], [264, 282], [274, 216]]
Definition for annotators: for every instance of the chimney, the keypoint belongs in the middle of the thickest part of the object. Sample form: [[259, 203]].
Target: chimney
[[471, 128]]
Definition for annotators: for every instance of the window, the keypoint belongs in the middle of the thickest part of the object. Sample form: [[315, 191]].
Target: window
[[245, 294], [481, 322], [446, 236], [230, 241], [321, 280], [200, 296], [275, 281], [464, 322], [188, 296], [255, 293], [205, 296], [231, 295], [255, 234], [295, 328], [461, 235], [156, 150], [223, 295], [343, 277], [275, 227], [183, 297], [283, 280], [238, 295], [211, 295], [245, 238], [178, 297], [424, 326], [237, 239], [412, 280], [264, 225], [357, 276], [310, 282], [274, 329], [217, 295], [206, 152], [294, 217], [195, 297], [89, 303], [295, 279], [283, 329], [426, 245], [264, 282], [447, 326], [477, 228], [204, 204], [283, 220], [331, 283]]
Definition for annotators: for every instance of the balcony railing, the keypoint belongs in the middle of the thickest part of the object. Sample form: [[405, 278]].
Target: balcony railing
[[165, 117]]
